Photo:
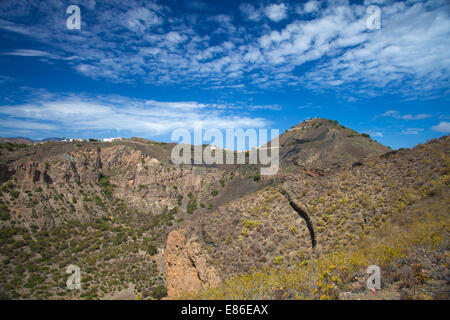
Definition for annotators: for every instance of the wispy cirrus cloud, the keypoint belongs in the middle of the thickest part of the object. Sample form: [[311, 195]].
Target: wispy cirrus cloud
[[309, 106], [144, 41], [86, 113], [414, 131], [265, 107], [27, 53], [35, 53], [5, 79], [395, 114], [26, 125]]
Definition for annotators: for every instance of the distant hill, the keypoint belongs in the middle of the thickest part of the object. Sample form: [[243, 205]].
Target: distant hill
[[22, 140], [18, 140], [322, 143], [51, 139]]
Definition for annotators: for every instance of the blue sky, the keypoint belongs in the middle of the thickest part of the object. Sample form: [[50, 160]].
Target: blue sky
[[145, 68]]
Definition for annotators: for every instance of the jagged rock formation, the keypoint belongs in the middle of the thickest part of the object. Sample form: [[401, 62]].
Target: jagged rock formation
[[186, 266]]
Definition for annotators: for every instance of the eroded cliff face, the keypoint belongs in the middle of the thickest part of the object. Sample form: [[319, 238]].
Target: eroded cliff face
[[187, 269], [65, 185]]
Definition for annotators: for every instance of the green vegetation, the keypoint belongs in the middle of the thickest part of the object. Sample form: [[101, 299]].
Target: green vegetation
[[159, 292], [250, 224], [94, 246], [4, 213], [9, 146], [151, 249], [103, 181], [278, 260], [192, 204], [14, 194]]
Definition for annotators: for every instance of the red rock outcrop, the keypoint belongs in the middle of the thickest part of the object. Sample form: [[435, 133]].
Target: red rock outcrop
[[186, 266]]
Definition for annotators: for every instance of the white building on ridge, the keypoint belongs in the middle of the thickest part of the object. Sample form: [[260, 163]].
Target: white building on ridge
[[111, 139]]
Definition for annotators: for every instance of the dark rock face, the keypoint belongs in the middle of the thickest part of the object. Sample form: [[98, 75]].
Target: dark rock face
[[5, 172], [32, 173], [46, 178]]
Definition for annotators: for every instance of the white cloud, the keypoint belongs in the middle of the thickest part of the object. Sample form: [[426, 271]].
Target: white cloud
[[443, 127], [139, 19], [377, 134], [391, 113], [197, 5], [309, 106], [412, 131], [276, 12], [249, 12], [27, 53], [401, 57], [137, 116], [28, 125], [415, 117], [141, 41], [397, 115], [5, 79], [265, 107], [311, 6]]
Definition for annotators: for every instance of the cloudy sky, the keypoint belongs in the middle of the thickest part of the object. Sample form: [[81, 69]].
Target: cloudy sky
[[145, 68]]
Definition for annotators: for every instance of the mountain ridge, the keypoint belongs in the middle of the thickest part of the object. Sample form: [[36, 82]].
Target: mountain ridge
[[109, 208]]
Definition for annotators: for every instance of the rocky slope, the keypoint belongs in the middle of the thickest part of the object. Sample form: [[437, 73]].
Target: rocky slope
[[262, 228], [116, 210], [322, 143], [392, 211], [107, 207]]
